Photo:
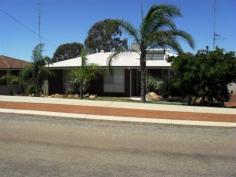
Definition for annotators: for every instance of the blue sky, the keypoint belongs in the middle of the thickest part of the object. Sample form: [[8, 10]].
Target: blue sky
[[69, 21]]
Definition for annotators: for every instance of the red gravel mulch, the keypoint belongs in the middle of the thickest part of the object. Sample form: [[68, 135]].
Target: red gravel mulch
[[119, 112]]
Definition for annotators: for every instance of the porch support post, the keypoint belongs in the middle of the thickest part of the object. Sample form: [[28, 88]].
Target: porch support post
[[130, 82], [8, 73], [137, 81], [168, 73]]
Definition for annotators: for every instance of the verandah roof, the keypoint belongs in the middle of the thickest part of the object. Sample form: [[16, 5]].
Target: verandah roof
[[126, 59]]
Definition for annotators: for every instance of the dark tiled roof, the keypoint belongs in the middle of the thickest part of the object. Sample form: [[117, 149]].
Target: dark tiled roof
[[12, 63]]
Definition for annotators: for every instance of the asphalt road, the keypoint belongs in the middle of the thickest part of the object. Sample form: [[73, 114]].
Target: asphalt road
[[33, 146]]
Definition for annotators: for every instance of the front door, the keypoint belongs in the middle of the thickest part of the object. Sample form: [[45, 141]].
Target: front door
[[135, 80]]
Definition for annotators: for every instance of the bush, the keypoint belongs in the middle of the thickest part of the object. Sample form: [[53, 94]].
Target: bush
[[203, 78], [3, 80], [31, 90], [153, 84]]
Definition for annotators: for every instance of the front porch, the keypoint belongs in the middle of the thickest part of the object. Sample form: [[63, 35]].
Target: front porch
[[6, 88], [120, 82]]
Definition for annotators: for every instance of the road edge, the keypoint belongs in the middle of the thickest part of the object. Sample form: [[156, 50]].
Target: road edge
[[119, 119]]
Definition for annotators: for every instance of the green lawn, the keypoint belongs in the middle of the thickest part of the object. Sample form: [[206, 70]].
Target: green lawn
[[127, 99]]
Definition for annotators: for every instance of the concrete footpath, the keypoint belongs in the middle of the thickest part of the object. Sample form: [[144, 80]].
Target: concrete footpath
[[119, 111]]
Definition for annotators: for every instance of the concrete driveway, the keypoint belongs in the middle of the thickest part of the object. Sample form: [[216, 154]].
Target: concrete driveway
[[34, 146]]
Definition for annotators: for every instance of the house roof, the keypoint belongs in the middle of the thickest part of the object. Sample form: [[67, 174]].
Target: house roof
[[126, 59], [12, 63]]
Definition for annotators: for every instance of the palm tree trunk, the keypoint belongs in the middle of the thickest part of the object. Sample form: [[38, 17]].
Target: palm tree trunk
[[37, 85], [143, 77]]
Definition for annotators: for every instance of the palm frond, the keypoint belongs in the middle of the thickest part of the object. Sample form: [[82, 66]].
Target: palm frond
[[116, 54], [164, 38], [159, 16], [163, 9], [184, 36], [129, 28], [163, 23], [174, 45], [157, 25]]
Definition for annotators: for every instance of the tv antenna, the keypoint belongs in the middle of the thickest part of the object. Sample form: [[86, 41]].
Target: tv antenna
[[141, 8], [216, 36], [39, 22]]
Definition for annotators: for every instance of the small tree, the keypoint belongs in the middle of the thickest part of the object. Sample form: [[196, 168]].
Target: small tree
[[105, 35], [184, 76], [32, 77], [38, 68], [67, 51], [35, 74], [82, 76]]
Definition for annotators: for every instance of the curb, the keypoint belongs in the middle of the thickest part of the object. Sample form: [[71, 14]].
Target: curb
[[120, 119]]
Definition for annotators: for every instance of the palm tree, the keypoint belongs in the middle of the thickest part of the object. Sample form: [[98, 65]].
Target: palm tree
[[83, 75], [157, 30]]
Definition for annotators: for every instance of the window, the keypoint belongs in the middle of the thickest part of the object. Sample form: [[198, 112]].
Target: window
[[3, 81], [114, 82]]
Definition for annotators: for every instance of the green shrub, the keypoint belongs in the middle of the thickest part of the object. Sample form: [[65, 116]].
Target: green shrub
[[31, 89], [203, 78], [153, 84]]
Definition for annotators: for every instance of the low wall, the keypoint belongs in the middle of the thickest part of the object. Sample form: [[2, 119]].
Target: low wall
[[9, 90]]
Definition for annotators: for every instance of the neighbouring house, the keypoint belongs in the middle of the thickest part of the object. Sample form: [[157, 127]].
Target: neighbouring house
[[10, 66], [124, 80]]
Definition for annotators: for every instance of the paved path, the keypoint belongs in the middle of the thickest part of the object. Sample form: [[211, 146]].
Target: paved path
[[117, 104], [33, 146]]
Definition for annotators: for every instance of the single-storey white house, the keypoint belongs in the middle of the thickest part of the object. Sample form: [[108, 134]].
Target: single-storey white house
[[124, 79]]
